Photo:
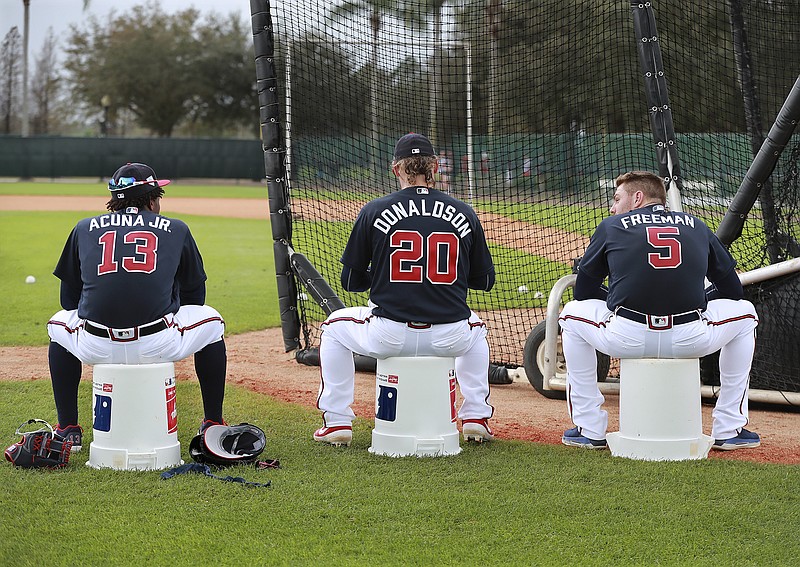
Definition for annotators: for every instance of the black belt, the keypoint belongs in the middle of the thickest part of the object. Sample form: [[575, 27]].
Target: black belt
[[124, 335], [658, 322], [418, 325]]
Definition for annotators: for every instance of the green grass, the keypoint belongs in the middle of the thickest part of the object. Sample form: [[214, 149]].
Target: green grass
[[505, 503], [582, 220], [237, 254]]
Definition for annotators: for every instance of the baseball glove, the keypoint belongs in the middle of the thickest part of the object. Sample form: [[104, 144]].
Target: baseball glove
[[225, 445], [40, 449]]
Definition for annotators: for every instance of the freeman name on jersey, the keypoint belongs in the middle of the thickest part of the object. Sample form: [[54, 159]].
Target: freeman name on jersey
[[655, 218], [390, 216]]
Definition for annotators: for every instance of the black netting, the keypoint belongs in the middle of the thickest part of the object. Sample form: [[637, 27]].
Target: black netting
[[536, 108]]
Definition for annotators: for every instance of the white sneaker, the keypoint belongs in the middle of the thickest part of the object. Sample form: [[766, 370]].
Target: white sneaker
[[476, 430], [336, 436]]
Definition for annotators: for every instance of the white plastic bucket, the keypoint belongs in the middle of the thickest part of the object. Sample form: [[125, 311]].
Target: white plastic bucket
[[134, 417], [415, 407], [660, 416]]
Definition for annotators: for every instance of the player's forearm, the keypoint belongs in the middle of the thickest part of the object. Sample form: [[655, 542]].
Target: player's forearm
[[727, 287], [354, 280], [69, 297], [587, 287], [194, 296], [484, 282]]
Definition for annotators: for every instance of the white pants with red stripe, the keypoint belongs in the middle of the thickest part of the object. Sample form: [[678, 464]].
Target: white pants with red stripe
[[725, 325], [189, 330], [355, 329]]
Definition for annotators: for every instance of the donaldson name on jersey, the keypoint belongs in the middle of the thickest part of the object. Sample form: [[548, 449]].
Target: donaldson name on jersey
[[421, 246]]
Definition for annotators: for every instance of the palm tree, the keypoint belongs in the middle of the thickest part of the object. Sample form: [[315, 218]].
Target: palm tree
[[25, 40], [376, 11]]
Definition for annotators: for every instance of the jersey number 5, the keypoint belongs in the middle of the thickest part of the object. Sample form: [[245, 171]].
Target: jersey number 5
[[146, 244], [440, 250], [669, 248]]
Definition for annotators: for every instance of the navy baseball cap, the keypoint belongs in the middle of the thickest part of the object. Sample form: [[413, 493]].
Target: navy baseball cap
[[412, 145], [134, 180]]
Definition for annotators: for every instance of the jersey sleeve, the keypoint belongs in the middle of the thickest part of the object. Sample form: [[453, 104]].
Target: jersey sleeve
[[68, 270], [191, 277], [721, 270], [720, 261], [480, 262], [358, 252], [593, 267]]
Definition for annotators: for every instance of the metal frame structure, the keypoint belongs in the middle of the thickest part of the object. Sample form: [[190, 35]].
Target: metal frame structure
[[553, 382]]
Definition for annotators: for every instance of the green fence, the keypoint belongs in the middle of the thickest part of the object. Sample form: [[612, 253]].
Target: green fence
[[172, 158], [722, 155]]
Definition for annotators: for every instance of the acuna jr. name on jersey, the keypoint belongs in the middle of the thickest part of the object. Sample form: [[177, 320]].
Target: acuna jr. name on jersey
[[390, 216], [119, 219]]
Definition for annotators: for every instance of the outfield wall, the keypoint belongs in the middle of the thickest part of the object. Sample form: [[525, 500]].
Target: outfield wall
[[591, 155], [172, 158]]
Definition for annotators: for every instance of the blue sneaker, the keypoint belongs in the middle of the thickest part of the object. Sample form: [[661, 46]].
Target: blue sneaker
[[73, 434], [574, 438], [745, 440]]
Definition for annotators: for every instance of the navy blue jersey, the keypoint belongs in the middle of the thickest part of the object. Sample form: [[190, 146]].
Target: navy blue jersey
[[422, 247], [656, 260], [125, 269]]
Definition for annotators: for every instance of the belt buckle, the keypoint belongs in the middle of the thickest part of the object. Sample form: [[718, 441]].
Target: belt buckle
[[659, 322], [124, 335]]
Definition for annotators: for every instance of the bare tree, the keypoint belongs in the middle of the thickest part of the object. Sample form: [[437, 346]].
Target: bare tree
[[45, 85], [10, 68]]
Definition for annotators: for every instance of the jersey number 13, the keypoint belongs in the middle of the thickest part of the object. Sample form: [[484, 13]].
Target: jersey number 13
[[144, 259]]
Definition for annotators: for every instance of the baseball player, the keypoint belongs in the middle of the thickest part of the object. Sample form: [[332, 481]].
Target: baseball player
[[656, 305], [133, 292], [417, 250]]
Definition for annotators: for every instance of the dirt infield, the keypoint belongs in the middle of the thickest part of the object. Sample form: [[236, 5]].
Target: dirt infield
[[257, 361]]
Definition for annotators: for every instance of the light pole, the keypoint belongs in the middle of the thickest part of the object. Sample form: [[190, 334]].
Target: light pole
[[25, 41], [105, 102]]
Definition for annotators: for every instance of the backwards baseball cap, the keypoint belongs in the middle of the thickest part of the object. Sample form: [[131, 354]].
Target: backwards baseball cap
[[412, 145], [134, 180]]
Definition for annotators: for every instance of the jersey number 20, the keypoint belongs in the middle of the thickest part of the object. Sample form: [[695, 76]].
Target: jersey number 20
[[440, 250]]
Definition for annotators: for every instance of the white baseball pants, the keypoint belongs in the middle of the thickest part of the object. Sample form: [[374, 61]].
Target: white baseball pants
[[355, 329], [725, 325], [190, 329]]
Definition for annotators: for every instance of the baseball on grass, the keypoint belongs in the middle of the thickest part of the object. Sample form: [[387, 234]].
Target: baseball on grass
[[30, 279], [538, 295], [522, 289]]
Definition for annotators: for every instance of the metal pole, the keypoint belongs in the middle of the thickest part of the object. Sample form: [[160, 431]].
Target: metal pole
[[288, 104], [470, 141], [25, 120]]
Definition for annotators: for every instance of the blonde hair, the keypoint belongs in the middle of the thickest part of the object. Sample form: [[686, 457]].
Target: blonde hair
[[417, 165], [651, 185]]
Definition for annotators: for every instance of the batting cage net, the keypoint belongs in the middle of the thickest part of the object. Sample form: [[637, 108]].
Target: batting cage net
[[534, 109]]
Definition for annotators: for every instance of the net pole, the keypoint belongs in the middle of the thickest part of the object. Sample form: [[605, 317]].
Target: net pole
[[273, 144], [470, 140], [761, 169], [655, 83], [288, 112]]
